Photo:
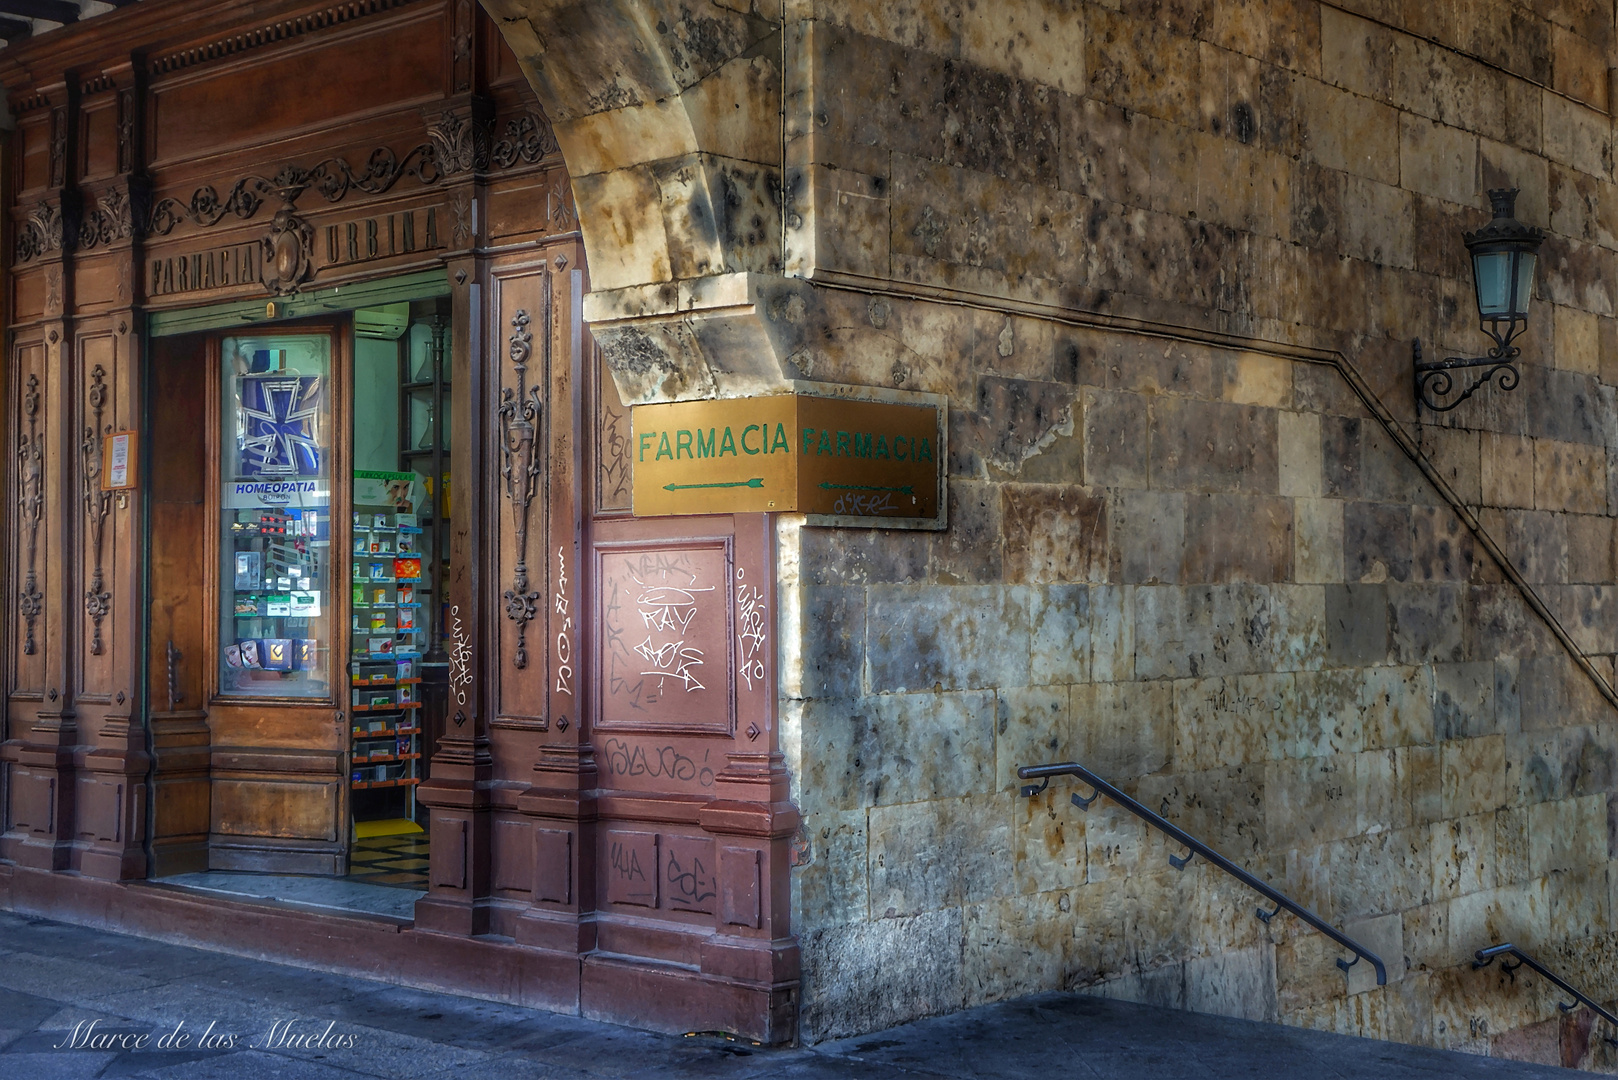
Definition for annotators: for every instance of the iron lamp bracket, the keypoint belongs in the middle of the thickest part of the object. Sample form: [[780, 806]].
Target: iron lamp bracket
[[1435, 380]]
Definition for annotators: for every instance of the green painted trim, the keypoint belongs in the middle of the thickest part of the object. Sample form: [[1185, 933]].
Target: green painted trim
[[423, 285]]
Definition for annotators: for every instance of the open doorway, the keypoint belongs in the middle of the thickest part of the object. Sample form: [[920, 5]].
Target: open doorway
[[401, 502], [298, 536]]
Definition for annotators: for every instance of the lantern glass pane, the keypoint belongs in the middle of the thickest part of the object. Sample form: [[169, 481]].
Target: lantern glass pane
[[1525, 281], [1492, 270]]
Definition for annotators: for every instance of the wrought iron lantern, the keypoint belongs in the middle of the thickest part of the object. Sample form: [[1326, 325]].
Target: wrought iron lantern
[[1504, 254]]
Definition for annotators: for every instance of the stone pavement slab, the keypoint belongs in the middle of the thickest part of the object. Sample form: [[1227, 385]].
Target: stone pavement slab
[[53, 976]]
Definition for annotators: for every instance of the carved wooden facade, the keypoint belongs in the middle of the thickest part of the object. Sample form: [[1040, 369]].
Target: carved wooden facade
[[608, 798]]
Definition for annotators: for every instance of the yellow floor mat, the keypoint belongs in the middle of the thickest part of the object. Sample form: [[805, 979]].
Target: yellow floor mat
[[390, 827]]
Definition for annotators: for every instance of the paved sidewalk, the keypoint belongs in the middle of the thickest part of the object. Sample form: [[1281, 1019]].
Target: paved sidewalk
[[54, 977]]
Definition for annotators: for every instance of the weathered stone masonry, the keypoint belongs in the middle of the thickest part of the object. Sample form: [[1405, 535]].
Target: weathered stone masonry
[[1127, 240]]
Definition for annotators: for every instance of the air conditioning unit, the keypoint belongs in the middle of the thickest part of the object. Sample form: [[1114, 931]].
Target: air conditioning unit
[[388, 322]]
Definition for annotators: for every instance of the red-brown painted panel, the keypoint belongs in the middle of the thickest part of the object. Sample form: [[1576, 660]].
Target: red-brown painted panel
[[665, 637], [631, 868]]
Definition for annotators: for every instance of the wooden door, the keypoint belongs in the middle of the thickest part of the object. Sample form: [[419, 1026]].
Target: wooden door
[[279, 540], [178, 627]]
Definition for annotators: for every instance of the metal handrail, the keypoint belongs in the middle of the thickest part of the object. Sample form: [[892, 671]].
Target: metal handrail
[[1484, 957], [1275, 896]]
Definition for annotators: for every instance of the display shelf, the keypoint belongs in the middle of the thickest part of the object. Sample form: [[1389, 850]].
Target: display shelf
[[383, 683]]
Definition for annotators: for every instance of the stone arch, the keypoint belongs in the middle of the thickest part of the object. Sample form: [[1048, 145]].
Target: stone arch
[[669, 118]]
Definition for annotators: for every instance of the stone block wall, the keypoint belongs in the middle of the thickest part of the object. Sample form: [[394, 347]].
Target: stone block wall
[[1134, 243]]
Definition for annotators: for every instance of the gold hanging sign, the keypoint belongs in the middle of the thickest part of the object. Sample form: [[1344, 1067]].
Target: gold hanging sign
[[843, 460]]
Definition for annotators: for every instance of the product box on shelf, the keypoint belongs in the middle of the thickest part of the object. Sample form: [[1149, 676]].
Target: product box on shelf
[[249, 570], [276, 654]]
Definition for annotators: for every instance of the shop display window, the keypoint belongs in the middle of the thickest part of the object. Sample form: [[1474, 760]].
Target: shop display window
[[275, 470]]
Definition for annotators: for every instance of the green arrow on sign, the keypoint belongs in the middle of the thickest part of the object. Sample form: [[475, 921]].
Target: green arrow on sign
[[756, 482], [829, 486]]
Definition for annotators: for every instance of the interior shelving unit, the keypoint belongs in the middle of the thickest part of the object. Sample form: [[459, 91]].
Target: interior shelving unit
[[384, 658], [424, 448]]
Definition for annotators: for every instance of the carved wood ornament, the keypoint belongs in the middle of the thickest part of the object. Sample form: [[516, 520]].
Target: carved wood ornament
[[459, 144], [31, 501], [97, 504], [126, 130], [58, 146], [519, 413], [333, 178], [111, 219], [528, 139], [287, 252], [456, 144], [40, 233]]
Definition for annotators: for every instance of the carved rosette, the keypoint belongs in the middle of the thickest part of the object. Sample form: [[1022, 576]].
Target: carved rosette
[[97, 503], [519, 414], [30, 503]]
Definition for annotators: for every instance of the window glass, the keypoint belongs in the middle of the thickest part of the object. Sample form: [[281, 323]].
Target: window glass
[[275, 581]]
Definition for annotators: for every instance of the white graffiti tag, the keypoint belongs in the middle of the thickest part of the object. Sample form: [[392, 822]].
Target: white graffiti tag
[[668, 611], [674, 660], [749, 630], [460, 656], [564, 642]]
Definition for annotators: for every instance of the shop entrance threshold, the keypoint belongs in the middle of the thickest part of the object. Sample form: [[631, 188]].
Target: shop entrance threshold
[[342, 895]]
